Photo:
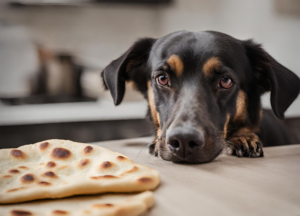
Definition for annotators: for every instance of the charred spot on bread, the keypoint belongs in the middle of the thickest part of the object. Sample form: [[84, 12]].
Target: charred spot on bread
[[50, 174], [44, 145], [23, 167], [28, 178], [106, 164], [44, 183], [17, 153], [88, 149], [102, 205], [133, 169], [20, 213], [7, 176], [83, 162], [121, 158], [51, 164], [59, 212], [145, 180], [15, 189], [104, 177], [14, 171], [61, 153], [63, 167]]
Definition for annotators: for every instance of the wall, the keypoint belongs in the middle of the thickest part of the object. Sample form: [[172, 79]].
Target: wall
[[96, 34], [99, 34]]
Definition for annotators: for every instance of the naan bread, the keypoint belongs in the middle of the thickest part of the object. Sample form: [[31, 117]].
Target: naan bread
[[99, 205], [61, 168]]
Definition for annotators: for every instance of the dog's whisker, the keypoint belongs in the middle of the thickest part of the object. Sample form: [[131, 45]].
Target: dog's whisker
[[151, 131], [147, 145]]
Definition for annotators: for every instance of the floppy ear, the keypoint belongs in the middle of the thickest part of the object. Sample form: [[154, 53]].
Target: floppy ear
[[132, 65], [272, 76]]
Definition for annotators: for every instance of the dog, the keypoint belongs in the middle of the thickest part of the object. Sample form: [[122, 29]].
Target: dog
[[203, 91]]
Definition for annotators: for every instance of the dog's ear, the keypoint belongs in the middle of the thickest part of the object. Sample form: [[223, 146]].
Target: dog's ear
[[131, 66], [272, 76]]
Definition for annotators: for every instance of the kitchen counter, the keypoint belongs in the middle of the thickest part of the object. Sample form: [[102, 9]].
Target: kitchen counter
[[226, 186]]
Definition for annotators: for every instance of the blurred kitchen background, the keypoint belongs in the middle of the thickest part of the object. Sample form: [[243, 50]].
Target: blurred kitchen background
[[52, 53]]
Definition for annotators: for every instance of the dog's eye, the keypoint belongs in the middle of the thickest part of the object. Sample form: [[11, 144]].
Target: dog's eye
[[225, 82], [162, 80]]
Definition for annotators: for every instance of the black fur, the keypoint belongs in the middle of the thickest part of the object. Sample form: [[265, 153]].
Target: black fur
[[116, 73]]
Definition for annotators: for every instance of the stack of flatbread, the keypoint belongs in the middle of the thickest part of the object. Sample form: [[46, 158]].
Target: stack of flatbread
[[60, 168]]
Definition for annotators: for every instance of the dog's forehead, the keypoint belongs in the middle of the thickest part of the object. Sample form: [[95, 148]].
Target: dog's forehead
[[186, 45]]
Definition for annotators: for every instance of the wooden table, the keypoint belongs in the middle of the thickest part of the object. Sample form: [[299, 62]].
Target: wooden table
[[226, 186]]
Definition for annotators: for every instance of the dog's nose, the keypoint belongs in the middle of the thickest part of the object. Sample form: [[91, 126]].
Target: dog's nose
[[183, 141]]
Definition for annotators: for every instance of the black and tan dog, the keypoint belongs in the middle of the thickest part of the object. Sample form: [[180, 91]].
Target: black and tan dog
[[203, 91]]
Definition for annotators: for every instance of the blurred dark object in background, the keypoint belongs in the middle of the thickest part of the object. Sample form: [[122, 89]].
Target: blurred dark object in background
[[287, 7], [45, 99], [58, 80]]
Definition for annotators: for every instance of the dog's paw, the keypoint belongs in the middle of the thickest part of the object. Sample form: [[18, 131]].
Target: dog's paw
[[247, 145]]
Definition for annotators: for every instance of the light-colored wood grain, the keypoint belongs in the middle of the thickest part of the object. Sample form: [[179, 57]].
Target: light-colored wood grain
[[226, 186]]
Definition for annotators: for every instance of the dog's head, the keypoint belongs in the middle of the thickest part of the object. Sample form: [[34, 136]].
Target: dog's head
[[200, 87]]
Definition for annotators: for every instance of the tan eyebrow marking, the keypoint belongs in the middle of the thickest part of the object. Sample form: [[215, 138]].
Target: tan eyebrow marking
[[176, 64], [210, 65]]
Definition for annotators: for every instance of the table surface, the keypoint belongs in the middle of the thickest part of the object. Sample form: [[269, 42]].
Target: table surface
[[226, 186]]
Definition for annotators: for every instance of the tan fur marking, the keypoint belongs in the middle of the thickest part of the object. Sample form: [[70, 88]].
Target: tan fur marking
[[244, 131], [128, 66], [210, 65], [131, 85], [176, 64], [226, 126], [241, 103], [154, 113]]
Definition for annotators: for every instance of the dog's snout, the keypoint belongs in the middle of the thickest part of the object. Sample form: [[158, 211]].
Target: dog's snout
[[183, 142]]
